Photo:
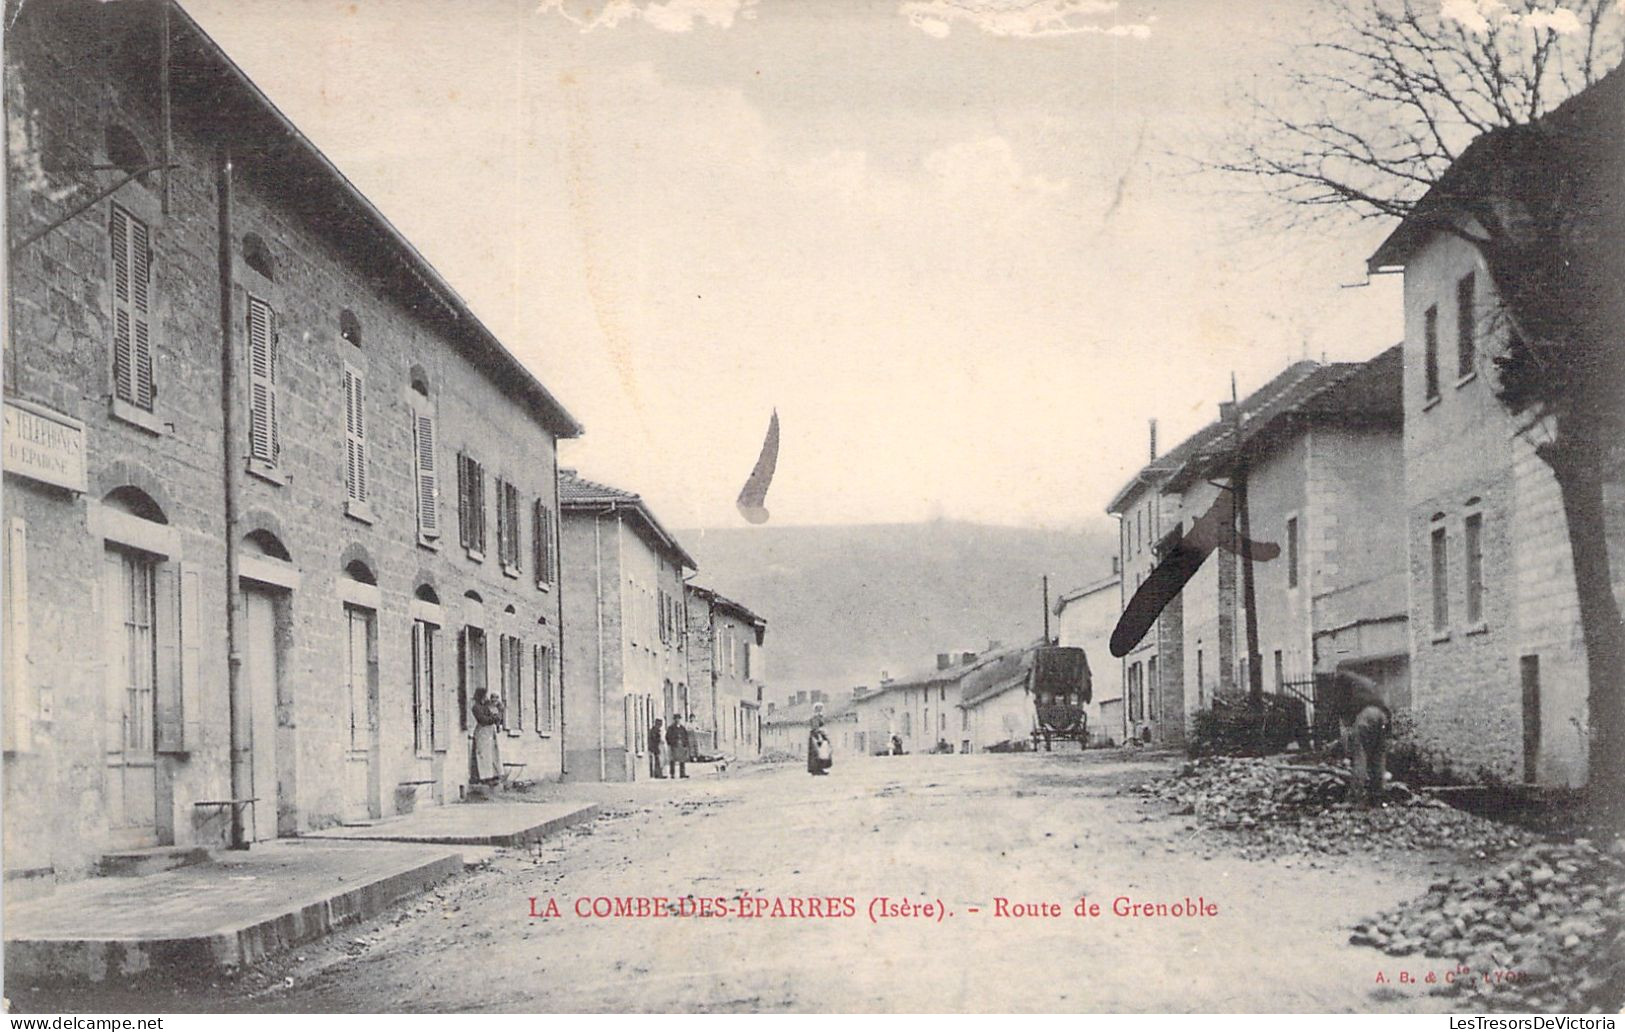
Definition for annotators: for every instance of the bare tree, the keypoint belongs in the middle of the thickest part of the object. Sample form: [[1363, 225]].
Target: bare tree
[[1373, 113], [1454, 112]]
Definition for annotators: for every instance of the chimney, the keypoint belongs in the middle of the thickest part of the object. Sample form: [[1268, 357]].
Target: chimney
[[944, 660], [967, 658], [885, 678], [857, 693], [817, 695], [1227, 411], [994, 645], [1153, 440]]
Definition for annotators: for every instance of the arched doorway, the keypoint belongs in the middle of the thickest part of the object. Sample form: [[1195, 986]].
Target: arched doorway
[[140, 608], [358, 587], [267, 578]]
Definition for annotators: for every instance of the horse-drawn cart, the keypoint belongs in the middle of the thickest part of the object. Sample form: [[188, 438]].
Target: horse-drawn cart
[[1060, 685]]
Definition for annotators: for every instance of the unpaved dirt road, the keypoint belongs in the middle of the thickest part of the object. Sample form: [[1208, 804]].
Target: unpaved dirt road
[[965, 830]]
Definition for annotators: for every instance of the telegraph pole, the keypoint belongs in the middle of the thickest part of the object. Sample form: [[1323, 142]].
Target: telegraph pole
[[1249, 598], [1046, 610]]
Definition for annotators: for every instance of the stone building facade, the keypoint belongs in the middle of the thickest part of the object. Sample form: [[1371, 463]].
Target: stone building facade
[[726, 671], [153, 698], [626, 629], [1499, 682]]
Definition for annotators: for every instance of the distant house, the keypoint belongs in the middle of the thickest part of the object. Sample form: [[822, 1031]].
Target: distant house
[[785, 728], [726, 672], [1084, 619], [1498, 664], [920, 709], [995, 706], [625, 628]]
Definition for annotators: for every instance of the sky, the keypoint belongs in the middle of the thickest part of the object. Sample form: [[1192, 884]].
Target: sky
[[961, 247]]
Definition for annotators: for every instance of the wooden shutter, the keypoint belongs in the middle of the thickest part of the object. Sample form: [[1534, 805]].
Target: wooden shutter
[[263, 430], [355, 435], [536, 659], [166, 631], [464, 689], [543, 550], [502, 524], [132, 309], [428, 484], [21, 708], [115, 648], [465, 513], [179, 641], [515, 555], [476, 494]]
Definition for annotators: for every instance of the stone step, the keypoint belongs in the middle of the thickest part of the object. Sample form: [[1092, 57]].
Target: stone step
[[137, 863]]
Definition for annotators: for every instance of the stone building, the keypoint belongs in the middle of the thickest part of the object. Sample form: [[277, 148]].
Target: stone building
[[242, 598], [626, 628], [921, 709], [1320, 447], [995, 707], [1324, 472], [1498, 672], [726, 672], [1084, 619]]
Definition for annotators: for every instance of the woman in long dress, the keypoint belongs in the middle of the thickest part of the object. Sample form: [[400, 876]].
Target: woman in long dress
[[487, 719]]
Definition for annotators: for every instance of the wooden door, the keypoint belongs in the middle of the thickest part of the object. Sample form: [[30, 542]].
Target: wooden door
[[361, 687], [132, 651], [263, 675]]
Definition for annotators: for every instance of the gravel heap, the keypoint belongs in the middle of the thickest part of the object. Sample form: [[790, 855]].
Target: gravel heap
[[1553, 917], [1281, 809]]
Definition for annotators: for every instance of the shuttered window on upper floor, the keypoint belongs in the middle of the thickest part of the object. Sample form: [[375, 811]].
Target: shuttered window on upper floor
[[355, 434], [542, 543], [264, 429], [471, 505], [427, 476], [132, 310]]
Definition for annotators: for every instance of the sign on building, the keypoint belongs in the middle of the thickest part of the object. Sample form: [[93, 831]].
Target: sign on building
[[43, 445]]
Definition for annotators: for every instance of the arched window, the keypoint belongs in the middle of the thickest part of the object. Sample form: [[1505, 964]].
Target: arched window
[[258, 256], [350, 327], [125, 152]]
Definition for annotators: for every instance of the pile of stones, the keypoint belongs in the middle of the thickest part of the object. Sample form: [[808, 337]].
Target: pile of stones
[[1277, 810], [1545, 931]]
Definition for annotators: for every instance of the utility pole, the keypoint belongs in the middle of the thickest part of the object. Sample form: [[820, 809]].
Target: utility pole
[[1249, 598], [1046, 609]]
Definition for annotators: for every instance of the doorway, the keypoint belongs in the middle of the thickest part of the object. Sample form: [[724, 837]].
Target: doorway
[[361, 795], [273, 812], [132, 649]]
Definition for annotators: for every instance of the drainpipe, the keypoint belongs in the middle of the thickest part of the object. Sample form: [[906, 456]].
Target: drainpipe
[[558, 601], [598, 572], [230, 453]]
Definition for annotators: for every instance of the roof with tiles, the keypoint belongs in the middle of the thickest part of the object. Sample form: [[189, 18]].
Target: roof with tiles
[[578, 494]]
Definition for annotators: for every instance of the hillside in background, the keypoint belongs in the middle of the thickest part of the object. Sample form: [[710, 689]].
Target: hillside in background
[[844, 603]]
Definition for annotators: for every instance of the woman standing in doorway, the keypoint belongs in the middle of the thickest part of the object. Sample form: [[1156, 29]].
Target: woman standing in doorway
[[488, 714]]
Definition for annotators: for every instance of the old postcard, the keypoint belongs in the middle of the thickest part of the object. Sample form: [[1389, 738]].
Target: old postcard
[[1111, 506]]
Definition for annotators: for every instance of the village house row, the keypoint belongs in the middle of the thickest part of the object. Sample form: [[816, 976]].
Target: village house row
[[1422, 543], [277, 504]]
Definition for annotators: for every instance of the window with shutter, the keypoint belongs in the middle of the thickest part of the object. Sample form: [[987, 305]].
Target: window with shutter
[[355, 435], [132, 310], [471, 505], [264, 434], [428, 485], [542, 656], [542, 552]]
